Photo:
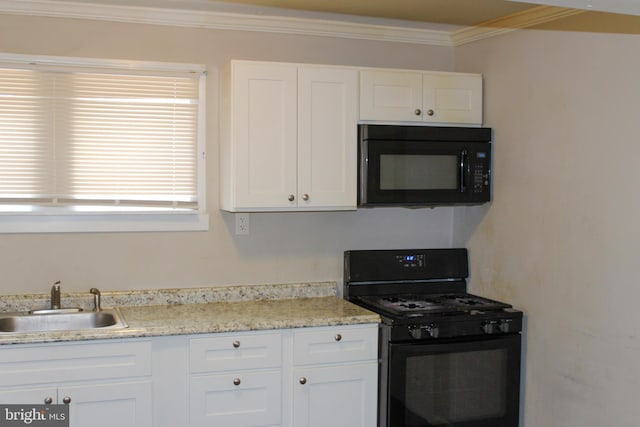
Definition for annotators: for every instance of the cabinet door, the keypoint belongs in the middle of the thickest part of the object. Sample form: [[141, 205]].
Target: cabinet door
[[35, 396], [241, 399], [125, 404], [390, 95], [327, 138], [452, 98], [263, 134], [336, 396]]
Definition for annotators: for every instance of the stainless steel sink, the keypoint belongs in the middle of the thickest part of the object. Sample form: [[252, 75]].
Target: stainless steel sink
[[61, 320]]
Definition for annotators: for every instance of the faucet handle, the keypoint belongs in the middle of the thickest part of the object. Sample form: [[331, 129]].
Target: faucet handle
[[96, 298], [55, 296]]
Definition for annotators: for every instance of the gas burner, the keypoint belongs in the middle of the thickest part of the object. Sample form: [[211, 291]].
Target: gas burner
[[406, 303], [411, 305]]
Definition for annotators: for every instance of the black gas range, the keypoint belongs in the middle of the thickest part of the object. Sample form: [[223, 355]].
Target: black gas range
[[447, 357]]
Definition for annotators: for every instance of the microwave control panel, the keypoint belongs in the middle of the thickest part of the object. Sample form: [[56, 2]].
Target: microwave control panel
[[480, 172]]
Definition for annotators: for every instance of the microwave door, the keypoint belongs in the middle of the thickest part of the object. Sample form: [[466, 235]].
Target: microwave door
[[414, 173]]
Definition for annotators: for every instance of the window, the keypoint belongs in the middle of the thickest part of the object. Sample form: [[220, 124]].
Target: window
[[114, 144]]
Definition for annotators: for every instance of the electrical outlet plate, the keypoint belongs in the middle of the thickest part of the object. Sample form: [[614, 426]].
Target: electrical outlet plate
[[242, 223]]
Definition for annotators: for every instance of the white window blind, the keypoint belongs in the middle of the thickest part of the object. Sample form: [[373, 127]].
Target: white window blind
[[98, 139]]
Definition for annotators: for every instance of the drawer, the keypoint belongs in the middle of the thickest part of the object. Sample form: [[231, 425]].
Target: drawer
[[335, 344], [80, 361], [239, 399], [235, 351]]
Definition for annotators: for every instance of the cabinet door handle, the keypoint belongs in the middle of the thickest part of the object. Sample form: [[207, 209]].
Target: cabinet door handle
[[48, 400], [417, 112], [338, 337], [430, 112], [236, 344], [303, 380], [291, 197], [305, 197], [236, 381], [66, 400]]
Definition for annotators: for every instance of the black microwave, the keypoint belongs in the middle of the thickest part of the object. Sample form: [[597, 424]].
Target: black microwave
[[423, 165]]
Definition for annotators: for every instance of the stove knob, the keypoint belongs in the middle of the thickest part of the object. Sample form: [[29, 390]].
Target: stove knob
[[433, 331], [490, 327], [415, 332], [505, 325]]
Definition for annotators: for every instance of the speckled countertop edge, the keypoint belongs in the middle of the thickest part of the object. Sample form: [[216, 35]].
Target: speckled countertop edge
[[205, 310]]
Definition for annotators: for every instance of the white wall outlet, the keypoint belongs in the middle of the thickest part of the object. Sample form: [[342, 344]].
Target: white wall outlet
[[242, 223]]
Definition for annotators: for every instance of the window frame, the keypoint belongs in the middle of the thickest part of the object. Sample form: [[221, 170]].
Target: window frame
[[61, 220]]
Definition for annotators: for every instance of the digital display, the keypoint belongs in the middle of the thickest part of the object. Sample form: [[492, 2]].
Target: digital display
[[481, 155], [411, 261]]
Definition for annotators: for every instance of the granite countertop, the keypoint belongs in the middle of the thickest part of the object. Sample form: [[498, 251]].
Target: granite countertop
[[203, 310]]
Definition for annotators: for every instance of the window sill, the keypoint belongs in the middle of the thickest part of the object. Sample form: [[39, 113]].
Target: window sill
[[101, 223]]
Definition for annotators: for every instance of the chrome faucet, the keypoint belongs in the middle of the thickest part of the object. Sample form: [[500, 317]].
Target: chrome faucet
[[55, 296], [96, 299]]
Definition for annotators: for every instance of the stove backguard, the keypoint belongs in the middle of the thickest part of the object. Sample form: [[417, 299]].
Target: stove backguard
[[385, 272]]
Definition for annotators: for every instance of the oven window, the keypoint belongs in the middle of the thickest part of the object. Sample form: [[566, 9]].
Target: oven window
[[451, 388], [455, 386], [418, 172]]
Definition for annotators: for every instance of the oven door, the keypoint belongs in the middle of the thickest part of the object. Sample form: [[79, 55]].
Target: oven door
[[461, 383]]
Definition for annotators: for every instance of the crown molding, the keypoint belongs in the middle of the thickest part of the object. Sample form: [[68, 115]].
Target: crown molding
[[278, 24], [224, 21], [525, 19]]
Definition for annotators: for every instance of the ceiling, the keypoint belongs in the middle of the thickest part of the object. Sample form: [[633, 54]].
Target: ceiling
[[453, 12]]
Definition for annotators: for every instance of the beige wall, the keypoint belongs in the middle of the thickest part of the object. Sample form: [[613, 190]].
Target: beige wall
[[562, 238], [285, 247]]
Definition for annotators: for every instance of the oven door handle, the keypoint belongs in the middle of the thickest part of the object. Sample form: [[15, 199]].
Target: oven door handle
[[464, 156]]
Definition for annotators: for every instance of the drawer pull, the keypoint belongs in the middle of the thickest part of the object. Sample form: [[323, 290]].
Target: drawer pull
[[338, 337], [303, 380], [236, 344], [236, 381]]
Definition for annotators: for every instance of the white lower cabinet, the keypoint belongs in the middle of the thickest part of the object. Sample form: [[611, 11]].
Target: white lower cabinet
[[336, 396], [316, 377], [236, 380], [335, 376], [325, 376], [238, 399], [104, 383], [126, 403]]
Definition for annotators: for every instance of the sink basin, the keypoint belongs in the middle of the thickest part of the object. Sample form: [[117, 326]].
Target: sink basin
[[50, 320]]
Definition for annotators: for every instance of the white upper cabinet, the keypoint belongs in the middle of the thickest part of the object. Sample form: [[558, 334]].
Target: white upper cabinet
[[291, 143], [426, 97], [262, 169], [327, 137]]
